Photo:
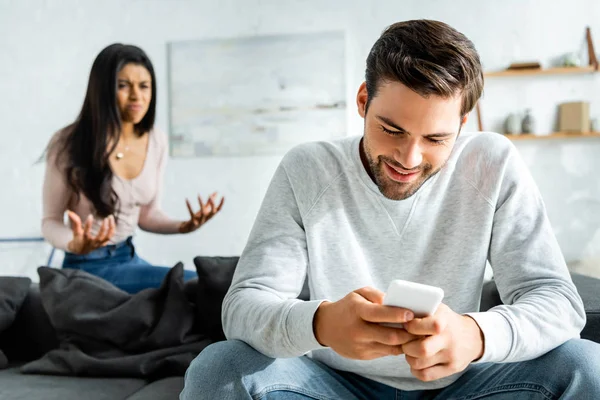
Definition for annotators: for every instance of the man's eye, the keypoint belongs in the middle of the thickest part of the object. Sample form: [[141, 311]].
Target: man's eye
[[389, 132]]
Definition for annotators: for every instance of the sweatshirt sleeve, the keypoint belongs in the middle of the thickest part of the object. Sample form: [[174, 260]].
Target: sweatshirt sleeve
[[152, 217], [55, 199], [260, 307], [542, 308]]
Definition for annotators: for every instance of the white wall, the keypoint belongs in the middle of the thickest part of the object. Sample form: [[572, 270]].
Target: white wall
[[47, 48]]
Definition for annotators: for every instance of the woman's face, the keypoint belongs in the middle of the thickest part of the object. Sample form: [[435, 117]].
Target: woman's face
[[134, 92]]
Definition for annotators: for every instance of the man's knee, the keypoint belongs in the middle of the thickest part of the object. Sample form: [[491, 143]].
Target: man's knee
[[218, 363], [225, 355], [582, 359]]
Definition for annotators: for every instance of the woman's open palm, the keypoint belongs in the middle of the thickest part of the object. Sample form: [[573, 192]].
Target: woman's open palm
[[202, 216], [83, 241]]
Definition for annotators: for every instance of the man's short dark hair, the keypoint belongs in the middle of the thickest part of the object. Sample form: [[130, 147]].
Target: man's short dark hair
[[430, 58]]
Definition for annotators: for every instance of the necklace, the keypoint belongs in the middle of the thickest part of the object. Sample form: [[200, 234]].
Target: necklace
[[121, 154]]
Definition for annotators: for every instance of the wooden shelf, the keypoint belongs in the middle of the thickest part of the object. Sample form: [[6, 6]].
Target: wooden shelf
[[589, 69], [556, 135]]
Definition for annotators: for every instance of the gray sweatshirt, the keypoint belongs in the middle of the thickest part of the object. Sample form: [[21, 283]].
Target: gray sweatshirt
[[324, 216]]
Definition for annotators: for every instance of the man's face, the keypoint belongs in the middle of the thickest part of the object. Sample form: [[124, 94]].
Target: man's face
[[407, 138]]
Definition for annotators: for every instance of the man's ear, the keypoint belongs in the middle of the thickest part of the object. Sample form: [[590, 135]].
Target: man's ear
[[464, 120], [361, 99]]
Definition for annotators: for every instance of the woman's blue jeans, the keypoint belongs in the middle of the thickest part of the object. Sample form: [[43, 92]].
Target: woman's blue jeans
[[120, 265]]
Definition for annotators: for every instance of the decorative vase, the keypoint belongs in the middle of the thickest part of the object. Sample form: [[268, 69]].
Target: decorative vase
[[571, 60], [528, 124], [512, 125]]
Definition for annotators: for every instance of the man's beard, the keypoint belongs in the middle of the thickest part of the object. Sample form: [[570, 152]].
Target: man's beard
[[397, 190]]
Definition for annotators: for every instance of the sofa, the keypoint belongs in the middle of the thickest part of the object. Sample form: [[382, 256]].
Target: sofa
[[31, 335]]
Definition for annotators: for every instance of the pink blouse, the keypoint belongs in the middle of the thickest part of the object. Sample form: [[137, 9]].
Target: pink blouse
[[139, 199]]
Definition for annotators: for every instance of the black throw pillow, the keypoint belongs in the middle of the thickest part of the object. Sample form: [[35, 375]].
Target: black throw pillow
[[214, 278], [13, 291]]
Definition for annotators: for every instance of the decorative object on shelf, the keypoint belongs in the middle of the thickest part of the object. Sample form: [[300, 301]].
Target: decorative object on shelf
[[512, 125], [571, 60], [525, 65], [528, 123], [544, 71], [591, 52], [595, 125], [574, 117], [532, 70]]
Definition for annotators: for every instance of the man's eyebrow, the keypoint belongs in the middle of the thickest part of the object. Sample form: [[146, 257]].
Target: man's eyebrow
[[438, 135], [389, 122]]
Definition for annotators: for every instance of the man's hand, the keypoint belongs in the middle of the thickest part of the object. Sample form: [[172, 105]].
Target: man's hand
[[351, 326], [447, 344]]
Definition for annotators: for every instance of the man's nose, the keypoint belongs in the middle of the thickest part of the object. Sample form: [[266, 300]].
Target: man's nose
[[410, 156]]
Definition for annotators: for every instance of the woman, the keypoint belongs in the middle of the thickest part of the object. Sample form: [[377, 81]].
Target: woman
[[106, 171]]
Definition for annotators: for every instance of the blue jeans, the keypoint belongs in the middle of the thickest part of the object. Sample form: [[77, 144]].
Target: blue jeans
[[234, 370], [120, 265]]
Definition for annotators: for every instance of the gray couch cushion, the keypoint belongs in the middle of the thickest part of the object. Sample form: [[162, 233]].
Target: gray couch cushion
[[165, 389], [15, 386]]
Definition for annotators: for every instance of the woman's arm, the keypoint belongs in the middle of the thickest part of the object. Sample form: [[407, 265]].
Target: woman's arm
[[152, 218], [55, 197]]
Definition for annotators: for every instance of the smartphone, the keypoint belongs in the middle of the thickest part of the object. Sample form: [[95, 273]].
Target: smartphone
[[422, 300]]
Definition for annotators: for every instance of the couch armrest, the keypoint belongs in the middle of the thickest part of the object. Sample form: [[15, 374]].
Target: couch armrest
[[588, 288]]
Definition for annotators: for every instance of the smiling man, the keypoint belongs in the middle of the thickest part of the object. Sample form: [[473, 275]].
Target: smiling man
[[413, 198]]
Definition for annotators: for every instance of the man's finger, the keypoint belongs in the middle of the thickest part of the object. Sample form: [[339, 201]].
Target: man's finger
[[432, 373], [377, 313], [425, 347], [432, 325], [388, 336], [377, 350], [371, 294], [424, 363], [75, 223]]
